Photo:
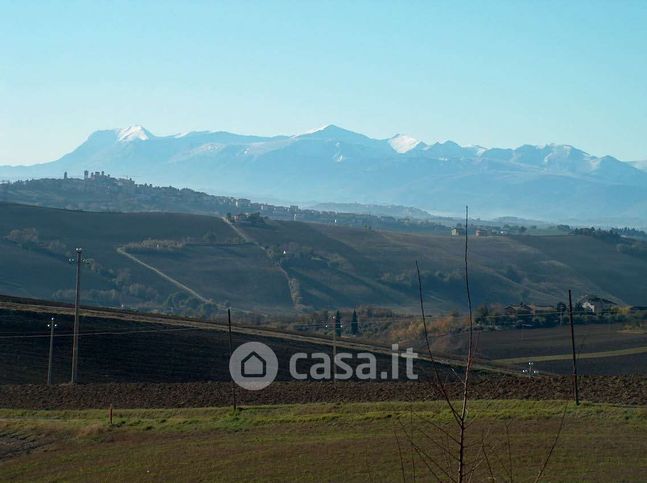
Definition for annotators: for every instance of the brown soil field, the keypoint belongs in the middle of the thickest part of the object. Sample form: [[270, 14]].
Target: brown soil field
[[124, 351], [626, 364], [536, 343], [630, 390]]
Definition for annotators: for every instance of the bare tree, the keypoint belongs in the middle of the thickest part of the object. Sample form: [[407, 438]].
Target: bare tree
[[455, 465]]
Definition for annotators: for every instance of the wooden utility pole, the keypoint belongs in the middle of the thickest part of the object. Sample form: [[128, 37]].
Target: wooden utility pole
[[75, 344], [570, 313], [51, 350], [334, 351], [233, 384], [336, 326]]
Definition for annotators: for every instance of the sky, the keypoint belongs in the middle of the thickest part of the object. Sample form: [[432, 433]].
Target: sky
[[495, 73]]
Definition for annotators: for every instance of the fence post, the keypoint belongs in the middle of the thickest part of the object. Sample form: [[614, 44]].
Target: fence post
[[233, 384], [570, 314]]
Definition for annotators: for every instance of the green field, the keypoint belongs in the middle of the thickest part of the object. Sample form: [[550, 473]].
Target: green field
[[319, 442]]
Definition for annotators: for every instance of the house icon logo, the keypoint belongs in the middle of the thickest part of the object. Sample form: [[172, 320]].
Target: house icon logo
[[253, 366]]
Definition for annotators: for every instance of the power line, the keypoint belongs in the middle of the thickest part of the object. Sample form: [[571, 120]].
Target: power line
[[86, 334], [313, 325]]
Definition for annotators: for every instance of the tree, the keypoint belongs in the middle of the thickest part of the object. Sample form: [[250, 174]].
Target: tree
[[354, 324], [561, 308], [255, 219], [338, 323], [482, 314], [462, 458]]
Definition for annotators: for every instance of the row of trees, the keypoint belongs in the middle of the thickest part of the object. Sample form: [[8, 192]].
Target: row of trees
[[497, 316]]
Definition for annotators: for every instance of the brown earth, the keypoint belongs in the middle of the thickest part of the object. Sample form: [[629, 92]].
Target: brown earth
[[620, 390], [13, 444]]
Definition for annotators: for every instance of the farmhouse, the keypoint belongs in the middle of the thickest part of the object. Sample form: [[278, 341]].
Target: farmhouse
[[458, 231], [524, 309], [518, 310], [595, 304]]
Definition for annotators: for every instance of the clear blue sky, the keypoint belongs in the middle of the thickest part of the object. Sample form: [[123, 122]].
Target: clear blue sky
[[495, 73]]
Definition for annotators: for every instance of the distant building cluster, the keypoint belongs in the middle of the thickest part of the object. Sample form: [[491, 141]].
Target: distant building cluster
[[480, 232], [591, 304], [93, 175], [122, 193]]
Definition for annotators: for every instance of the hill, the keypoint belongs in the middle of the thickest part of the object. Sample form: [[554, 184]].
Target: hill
[[102, 192], [552, 182], [199, 264]]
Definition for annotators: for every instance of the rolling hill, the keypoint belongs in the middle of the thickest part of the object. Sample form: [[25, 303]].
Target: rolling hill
[[107, 193], [199, 264]]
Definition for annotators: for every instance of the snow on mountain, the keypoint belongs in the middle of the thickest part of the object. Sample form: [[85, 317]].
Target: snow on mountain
[[317, 129], [402, 143], [332, 164], [133, 133], [642, 165]]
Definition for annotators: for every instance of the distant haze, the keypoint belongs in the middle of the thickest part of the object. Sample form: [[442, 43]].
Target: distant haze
[[332, 164]]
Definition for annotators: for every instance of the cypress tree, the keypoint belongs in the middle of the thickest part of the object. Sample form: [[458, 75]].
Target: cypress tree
[[354, 324]]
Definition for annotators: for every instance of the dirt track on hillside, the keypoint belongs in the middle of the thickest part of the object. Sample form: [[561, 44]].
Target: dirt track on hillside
[[621, 390]]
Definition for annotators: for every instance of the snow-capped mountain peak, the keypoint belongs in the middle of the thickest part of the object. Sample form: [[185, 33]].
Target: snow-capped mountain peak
[[323, 128], [528, 181], [403, 143], [133, 133]]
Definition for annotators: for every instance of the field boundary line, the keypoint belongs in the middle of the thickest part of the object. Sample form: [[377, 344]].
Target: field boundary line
[[177, 283], [292, 281], [564, 357]]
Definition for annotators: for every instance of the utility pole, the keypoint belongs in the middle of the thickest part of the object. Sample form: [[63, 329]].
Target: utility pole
[[334, 352], [570, 313], [52, 324], [336, 323], [75, 345], [233, 384]]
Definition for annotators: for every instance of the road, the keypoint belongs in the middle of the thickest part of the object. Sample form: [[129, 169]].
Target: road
[[175, 282], [566, 357], [292, 283]]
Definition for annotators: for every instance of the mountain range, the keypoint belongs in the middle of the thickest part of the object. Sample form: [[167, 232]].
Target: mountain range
[[331, 164]]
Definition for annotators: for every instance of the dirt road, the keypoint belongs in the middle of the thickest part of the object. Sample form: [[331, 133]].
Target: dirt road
[[175, 282]]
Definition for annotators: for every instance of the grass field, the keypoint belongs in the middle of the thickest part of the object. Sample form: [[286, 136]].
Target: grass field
[[323, 442], [329, 267], [224, 275]]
